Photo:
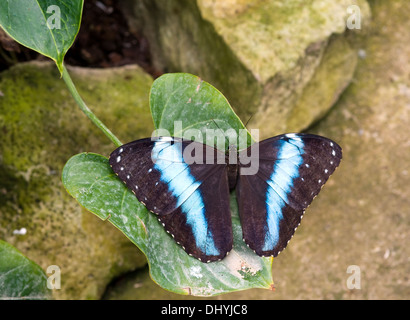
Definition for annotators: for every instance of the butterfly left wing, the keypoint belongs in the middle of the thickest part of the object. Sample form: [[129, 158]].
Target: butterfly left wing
[[191, 200], [292, 170]]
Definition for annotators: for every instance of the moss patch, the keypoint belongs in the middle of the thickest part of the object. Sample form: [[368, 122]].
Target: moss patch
[[41, 129]]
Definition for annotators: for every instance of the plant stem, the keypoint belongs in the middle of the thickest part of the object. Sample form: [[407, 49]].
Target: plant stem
[[86, 110]]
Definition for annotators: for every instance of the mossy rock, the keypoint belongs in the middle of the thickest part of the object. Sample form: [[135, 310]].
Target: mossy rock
[[41, 128], [265, 56], [361, 217]]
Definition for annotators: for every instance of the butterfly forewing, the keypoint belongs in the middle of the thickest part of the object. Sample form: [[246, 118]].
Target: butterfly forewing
[[185, 184], [292, 170]]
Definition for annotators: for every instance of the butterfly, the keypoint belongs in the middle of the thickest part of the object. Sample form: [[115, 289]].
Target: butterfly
[[187, 185]]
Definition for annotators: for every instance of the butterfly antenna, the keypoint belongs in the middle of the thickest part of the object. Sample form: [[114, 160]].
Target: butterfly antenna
[[223, 133], [246, 124]]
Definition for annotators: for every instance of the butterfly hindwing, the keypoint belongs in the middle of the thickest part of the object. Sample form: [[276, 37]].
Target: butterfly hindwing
[[190, 194], [292, 170], [205, 229]]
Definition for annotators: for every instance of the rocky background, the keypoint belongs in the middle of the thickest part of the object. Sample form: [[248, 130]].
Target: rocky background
[[284, 65]]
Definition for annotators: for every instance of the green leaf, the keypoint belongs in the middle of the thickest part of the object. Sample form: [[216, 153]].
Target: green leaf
[[88, 178], [20, 278], [197, 105], [46, 26]]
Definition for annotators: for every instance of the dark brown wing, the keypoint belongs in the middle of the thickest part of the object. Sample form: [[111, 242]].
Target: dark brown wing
[[292, 168]]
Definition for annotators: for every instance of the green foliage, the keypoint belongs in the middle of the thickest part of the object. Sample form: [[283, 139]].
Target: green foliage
[[20, 278], [46, 26], [197, 105], [89, 178]]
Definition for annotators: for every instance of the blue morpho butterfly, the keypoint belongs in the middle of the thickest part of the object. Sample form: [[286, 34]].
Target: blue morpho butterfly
[[191, 196]]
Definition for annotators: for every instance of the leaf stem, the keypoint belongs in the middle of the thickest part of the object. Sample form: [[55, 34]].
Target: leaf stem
[[80, 102]]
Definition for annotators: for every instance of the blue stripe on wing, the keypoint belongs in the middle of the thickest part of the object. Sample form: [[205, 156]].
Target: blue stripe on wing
[[285, 170], [183, 186]]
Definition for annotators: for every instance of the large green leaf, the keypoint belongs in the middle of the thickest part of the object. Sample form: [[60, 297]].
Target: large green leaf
[[46, 26], [20, 278], [183, 104], [89, 178]]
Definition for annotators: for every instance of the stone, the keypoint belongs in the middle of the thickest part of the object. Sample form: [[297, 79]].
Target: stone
[[359, 225], [41, 128], [265, 56]]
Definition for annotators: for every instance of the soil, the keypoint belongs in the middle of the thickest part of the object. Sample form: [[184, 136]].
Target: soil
[[104, 41]]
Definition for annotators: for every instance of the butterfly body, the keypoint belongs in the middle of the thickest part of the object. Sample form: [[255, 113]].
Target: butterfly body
[[187, 185], [232, 168]]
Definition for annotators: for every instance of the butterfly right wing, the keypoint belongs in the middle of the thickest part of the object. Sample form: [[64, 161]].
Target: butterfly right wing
[[191, 200], [292, 169]]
